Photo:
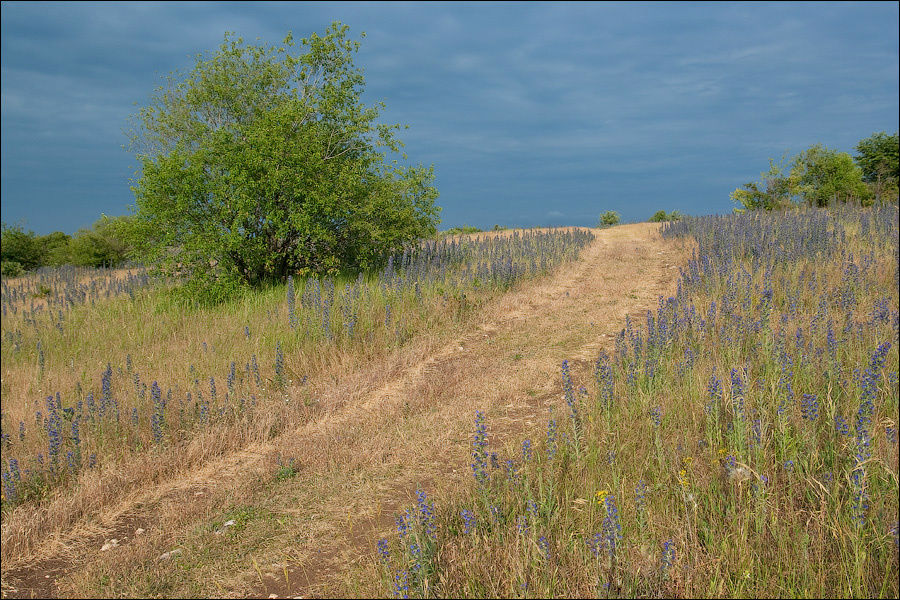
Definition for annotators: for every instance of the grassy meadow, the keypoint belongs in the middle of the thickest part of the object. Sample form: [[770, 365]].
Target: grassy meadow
[[740, 442], [100, 373]]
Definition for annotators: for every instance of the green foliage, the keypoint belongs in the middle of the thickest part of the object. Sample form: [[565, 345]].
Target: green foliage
[[43, 291], [285, 470], [820, 176], [104, 245], [11, 268], [774, 190], [879, 158], [206, 290], [662, 216], [19, 246], [608, 219], [499, 228], [823, 176], [55, 248], [263, 162]]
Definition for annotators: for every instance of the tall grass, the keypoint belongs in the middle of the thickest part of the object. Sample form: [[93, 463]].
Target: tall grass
[[61, 288], [139, 374], [742, 441]]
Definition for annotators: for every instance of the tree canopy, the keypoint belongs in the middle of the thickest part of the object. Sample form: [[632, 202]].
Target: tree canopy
[[608, 219], [824, 176], [105, 244], [879, 158], [818, 176], [773, 190], [263, 161], [19, 250]]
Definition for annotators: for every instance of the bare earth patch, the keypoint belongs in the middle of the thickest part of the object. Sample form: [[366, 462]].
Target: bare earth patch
[[378, 437]]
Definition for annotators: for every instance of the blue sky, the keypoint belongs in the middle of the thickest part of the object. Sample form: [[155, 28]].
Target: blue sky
[[533, 114]]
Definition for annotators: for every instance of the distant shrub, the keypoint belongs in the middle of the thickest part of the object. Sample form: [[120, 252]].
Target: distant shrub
[[105, 244], [662, 216], [54, 248], [500, 228], [461, 230], [10, 268], [20, 246], [608, 219]]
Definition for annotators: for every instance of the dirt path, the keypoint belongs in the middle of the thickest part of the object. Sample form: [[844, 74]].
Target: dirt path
[[383, 435]]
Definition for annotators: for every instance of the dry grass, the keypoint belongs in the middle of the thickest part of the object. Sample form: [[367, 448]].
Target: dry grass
[[358, 449], [753, 494]]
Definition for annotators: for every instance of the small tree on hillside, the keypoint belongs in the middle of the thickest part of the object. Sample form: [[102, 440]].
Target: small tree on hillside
[[263, 162], [879, 158], [775, 189], [662, 216], [105, 244], [55, 248], [608, 219]]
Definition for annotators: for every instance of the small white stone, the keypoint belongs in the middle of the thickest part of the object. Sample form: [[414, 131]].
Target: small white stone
[[139, 531], [170, 554], [109, 545], [228, 523]]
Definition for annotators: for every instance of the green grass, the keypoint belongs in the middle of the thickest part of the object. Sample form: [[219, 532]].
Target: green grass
[[692, 464], [238, 372]]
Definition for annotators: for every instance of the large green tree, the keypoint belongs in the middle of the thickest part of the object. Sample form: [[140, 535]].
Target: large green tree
[[879, 158], [263, 161]]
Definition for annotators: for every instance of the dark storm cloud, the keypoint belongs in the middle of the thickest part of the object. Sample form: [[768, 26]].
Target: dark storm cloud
[[532, 114]]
